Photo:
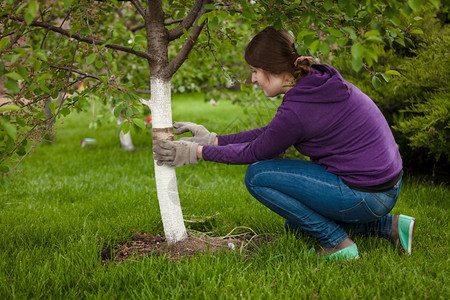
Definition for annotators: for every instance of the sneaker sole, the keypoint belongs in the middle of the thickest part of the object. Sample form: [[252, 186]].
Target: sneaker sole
[[412, 226]]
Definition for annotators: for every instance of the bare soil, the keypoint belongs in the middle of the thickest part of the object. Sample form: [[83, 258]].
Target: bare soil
[[143, 244]]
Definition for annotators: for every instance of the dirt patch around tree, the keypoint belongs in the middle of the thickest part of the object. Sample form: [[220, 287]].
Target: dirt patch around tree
[[143, 244]]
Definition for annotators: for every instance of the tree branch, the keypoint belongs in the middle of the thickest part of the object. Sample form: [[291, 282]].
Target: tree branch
[[175, 64], [139, 7], [187, 21], [85, 75], [173, 22], [141, 26], [88, 40]]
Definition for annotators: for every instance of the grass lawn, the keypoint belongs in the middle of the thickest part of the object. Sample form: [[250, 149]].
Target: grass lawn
[[70, 202]]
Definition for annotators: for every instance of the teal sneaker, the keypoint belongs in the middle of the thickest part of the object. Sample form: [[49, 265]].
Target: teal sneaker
[[351, 252], [406, 227]]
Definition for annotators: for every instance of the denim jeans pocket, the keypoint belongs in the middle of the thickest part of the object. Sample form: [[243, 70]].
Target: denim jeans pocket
[[360, 213], [382, 203]]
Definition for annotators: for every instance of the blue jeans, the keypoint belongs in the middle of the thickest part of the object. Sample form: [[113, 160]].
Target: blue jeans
[[311, 198]]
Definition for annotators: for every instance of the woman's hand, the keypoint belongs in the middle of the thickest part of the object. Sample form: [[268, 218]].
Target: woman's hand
[[175, 153], [200, 134]]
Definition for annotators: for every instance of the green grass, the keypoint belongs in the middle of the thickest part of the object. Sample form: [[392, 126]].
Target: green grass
[[71, 201]]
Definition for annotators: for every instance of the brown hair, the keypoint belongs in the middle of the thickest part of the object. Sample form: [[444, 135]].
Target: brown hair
[[273, 51]]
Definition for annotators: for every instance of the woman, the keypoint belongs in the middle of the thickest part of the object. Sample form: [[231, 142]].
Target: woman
[[355, 174]]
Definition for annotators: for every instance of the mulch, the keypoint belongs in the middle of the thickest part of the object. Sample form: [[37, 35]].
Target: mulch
[[143, 244]]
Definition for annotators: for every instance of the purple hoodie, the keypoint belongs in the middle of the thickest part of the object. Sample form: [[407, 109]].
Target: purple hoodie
[[328, 119]]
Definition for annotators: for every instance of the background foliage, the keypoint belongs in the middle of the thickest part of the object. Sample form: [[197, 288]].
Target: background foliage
[[416, 103], [46, 75]]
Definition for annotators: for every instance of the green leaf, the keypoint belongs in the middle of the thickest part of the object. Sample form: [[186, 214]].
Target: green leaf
[[372, 33], [436, 3], [14, 76], [351, 32], [12, 85], [31, 12], [376, 82], [278, 24], [324, 48], [40, 53], [126, 127], [414, 4], [342, 41], [203, 18], [213, 23], [227, 76], [370, 6], [350, 11], [357, 63], [400, 41], [328, 4], [21, 151], [389, 12], [99, 64], [23, 72], [386, 77], [65, 111], [248, 13], [314, 46], [343, 4], [335, 32], [43, 77], [416, 31], [9, 107], [9, 128], [108, 56], [118, 109], [376, 39], [37, 65], [67, 3], [20, 8], [129, 112], [139, 123], [302, 34], [91, 58], [407, 9], [84, 31], [357, 50], [370, 53], [4, 42], [21, 122], [393, 72]]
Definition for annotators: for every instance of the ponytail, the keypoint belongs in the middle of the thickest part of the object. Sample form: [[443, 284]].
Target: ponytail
[[302, 66]]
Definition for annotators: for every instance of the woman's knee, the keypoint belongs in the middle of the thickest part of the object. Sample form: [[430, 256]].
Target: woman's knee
[[250, 174], [255, 172]]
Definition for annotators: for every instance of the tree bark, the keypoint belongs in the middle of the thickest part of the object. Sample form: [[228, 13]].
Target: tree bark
[[165, 177]]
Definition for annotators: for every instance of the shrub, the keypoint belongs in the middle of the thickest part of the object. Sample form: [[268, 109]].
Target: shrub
[[416, 103]]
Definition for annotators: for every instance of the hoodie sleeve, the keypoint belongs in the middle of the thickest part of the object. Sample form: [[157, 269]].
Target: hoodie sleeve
[[280, 134], [241, 137]]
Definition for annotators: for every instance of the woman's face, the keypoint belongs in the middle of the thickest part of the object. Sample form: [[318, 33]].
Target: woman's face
[[272, 84]]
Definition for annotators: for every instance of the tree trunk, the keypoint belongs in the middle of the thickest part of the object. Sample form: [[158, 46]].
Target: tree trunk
[[126, 142], [166, 181]]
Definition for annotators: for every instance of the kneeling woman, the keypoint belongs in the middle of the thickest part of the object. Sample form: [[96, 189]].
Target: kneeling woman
[[355, 174]]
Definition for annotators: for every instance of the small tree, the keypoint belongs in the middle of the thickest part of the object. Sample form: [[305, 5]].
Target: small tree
[[49, 47]]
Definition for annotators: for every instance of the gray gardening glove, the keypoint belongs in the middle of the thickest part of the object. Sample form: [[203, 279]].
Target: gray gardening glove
[[175, 153], [200, 134]]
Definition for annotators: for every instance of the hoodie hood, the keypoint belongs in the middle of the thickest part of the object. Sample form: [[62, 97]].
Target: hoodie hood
[[324, 84]]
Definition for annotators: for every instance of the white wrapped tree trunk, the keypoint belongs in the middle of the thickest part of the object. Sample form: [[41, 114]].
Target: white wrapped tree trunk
[[126, 141], [165, 177]]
